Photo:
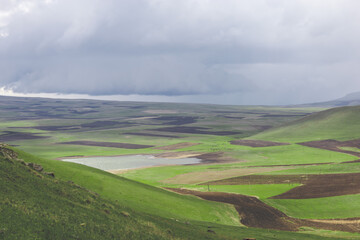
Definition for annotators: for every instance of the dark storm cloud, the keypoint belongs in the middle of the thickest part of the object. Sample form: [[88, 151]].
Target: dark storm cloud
[[261, 51]]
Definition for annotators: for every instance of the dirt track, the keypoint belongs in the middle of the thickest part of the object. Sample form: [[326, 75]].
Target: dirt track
[[333, 145], [257, 143], [108, 144], [255, 213], [314, 185]]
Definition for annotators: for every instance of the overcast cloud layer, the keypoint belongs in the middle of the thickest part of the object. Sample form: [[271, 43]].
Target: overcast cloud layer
[[230, 51]]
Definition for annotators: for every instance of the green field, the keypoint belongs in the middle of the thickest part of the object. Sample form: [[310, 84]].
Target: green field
[[39, 128]]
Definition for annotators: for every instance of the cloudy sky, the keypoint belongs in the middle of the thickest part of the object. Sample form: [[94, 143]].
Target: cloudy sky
[[229, 51]]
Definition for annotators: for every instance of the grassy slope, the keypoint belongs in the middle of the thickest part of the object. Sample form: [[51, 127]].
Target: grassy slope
[[139, 196], [35, 206], [337, 123], [346, 206]]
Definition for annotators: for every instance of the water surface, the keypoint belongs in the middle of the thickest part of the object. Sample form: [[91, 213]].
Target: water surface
[[129, 162]]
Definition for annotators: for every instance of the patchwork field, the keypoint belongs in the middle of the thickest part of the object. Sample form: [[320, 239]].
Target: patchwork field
[[284, 168]]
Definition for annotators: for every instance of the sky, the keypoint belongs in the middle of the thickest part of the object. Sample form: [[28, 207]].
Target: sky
[[267, 52]]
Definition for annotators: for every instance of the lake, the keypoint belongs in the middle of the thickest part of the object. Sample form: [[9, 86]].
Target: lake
[[129, 162]]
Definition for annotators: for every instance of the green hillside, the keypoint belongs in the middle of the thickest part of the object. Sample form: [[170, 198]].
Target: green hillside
[[138, 196], [36, 205], [338, 123]]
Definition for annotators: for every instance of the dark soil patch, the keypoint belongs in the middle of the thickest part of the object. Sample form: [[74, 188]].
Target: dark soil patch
[[16, 136], [231, 117], [108, 144], [333, 145], [46, 114], [176, 120], [152, 135], [98, 124], [313, 185], [255, 213], [177, 146], [325, 185], [215, 157], [195, 130], [257, 143], [300, 164], [252, 211], [56, 128], [260, 179], [284, 115], [82, 112]]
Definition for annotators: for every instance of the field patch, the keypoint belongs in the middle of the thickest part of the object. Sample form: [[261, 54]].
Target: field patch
[[177, 146], [257, 143], [252, 211], [108, 144], [151, 135], [196, 130], [16, 136], [325, 185], [337, 146], [205, 176], [313, 185], [177, 120], [255, 213]]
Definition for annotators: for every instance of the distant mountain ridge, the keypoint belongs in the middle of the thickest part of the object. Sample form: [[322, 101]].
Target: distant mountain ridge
[[351, 99]]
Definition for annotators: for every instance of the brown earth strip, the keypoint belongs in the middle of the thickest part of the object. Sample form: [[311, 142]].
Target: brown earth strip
[[333, 145], [108, 144], [206, 158], [252, 211], [300, 164], [260, 179], [326, 185], [255, 213], [16, 136], [195, 130], [205, 176], [257, 143], [216, 157], [177, 120], [314, 185], [151, 135], [177, 146]]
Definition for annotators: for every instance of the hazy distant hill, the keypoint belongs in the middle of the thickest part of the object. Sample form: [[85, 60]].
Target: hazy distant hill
[[351, 99]]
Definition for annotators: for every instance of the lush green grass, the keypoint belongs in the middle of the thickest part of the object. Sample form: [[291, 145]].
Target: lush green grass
[[289, 154], [280, 155], [139, 196], [337, 123], [346, 206], [36, 206], [353, 149]]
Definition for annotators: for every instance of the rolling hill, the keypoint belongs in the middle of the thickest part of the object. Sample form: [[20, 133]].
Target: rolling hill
[[337, 123], [35, 204]]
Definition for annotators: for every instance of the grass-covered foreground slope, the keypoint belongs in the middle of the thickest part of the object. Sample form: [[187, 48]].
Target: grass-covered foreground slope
[[34, 205], [337, 123], [138, 196]]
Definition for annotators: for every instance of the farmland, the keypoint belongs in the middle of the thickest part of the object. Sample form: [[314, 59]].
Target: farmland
[[298, 166]]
